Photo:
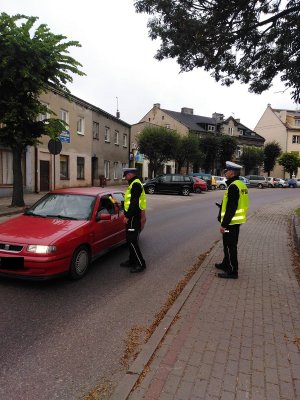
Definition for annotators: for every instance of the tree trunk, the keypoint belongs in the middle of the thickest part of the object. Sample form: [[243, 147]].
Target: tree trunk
[[17, 196]]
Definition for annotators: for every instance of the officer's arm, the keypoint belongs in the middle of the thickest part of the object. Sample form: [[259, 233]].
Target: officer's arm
[[134, 208]]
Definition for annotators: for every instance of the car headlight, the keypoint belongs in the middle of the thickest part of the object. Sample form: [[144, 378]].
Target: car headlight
[[35, 248]]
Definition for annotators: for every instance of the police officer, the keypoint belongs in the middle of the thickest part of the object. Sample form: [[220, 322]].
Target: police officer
[[232, 214], [134, 203]]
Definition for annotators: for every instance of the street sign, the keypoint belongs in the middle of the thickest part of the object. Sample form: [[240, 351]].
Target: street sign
[[54, 146]]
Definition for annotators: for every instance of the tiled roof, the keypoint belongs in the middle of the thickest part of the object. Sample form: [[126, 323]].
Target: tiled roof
[[191, 121]]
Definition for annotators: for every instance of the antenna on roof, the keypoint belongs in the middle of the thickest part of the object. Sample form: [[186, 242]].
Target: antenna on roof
[[118, 112]]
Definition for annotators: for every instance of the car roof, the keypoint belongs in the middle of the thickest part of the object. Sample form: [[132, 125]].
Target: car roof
[[91, 191]]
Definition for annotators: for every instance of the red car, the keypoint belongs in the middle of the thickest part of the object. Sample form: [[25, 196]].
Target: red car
[[199, 185], [62, 233]]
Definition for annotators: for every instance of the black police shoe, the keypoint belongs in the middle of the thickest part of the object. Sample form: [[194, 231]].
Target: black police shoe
[[220, 266], [228, 275], [138, 268]]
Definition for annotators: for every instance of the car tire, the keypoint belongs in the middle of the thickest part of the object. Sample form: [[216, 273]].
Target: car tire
[[198, 190], [185, 192], [80, 262], [260, 186], [280, 185], [222, 187], [151, 189], [269, 185]]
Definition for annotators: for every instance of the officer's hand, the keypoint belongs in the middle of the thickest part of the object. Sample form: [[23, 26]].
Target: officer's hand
[[222, 230], [126, 220]]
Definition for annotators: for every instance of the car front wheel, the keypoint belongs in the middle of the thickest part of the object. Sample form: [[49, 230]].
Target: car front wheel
[[222, 187], [80, 262], [150, 189], [260, 186], [185, 191]]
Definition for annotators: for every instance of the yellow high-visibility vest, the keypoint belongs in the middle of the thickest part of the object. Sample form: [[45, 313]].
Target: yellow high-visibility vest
[[142, 201], [240, 215]]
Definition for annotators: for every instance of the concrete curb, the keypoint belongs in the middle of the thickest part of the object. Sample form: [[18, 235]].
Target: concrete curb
[[296, 230], [126, 385]]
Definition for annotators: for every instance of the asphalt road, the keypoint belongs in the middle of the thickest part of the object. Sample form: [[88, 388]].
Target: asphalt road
[[60, 339]]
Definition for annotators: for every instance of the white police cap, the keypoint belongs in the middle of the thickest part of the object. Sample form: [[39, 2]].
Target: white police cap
[[232, 166], [129, 171]]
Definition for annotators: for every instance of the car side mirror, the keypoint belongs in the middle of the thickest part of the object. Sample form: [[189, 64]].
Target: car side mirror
[[102, 217]]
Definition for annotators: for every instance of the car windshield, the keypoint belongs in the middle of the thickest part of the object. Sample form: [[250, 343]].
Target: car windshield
[[63, 206]]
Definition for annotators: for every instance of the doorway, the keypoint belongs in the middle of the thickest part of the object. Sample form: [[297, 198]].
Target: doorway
[[44, 176]]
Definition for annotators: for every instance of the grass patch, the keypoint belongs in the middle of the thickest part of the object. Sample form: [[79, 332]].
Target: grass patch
[[297, 211]]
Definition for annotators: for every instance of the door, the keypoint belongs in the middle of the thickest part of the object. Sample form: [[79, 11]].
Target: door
[[44, 175]]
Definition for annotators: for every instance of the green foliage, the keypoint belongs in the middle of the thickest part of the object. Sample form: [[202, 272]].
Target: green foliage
[[159, 145], [272, 151], [227, 146], [187, 151], [209, 146], [31, 62], [249, 41], [290, 162], [251, 158]]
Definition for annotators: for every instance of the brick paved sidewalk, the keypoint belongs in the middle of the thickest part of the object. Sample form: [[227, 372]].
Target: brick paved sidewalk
[[235, 339]]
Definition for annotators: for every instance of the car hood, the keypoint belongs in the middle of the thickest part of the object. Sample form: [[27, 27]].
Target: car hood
[[35, 230]]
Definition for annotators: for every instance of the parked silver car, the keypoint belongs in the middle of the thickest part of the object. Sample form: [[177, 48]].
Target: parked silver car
[[258, 181]]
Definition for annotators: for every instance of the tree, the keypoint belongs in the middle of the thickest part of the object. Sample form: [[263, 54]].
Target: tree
[[290, 162], [249, 41], [31, 62], [209, 147], [187, 151], [251, 158], [227, 147], [272, 151], [159, 145]]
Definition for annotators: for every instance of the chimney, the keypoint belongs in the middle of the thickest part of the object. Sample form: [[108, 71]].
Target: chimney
[[156, 105], [218, 116], [186, 110]]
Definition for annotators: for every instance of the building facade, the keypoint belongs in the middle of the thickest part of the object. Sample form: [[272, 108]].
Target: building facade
[[186, 121], [94, 149], [283, 127]]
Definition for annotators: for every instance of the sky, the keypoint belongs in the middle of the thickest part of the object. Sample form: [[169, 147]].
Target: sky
[[117, 57]]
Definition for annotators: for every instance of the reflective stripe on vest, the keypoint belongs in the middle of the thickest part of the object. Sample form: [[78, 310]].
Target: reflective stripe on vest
[[240, 215], [142, 200]]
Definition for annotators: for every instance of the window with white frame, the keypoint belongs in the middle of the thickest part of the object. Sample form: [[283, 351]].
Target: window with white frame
[[211, 128], [64, 115], [296, 139], [116, 141], [6, 167], [116, 170], [241, 132], [45, 115], [96, 130], [80, 167], [167, 126], [124, 139], [107, 134], [230, 131], [297, 122], [80, 126], [106, 169], [124, 165]]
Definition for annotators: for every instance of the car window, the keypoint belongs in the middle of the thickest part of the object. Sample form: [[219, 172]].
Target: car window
[[177, 178], [73, 206], [187, 179], [165, 178], [119, 197], [106, 204]]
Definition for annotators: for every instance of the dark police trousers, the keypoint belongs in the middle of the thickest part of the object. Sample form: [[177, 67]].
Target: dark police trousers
[[230, 241], [132, 237]]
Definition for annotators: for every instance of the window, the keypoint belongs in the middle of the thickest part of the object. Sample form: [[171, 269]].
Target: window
[[80, 126], [45, 115], [95, 130], [64, 115], [165, 178], [124, 139], [107, 134], [106, 169], [297, 122], [241, 132], [6, 168], [116, 141], [296, 139], [80, 167], [167, 126], [116, 170], [230, 131], [64, 167], [211, 128]]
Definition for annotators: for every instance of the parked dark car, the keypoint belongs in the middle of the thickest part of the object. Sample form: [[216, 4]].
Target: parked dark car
[[170, 183]]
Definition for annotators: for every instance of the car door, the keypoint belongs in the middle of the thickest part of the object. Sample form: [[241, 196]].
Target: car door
[[107, 224], [163, 184]]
